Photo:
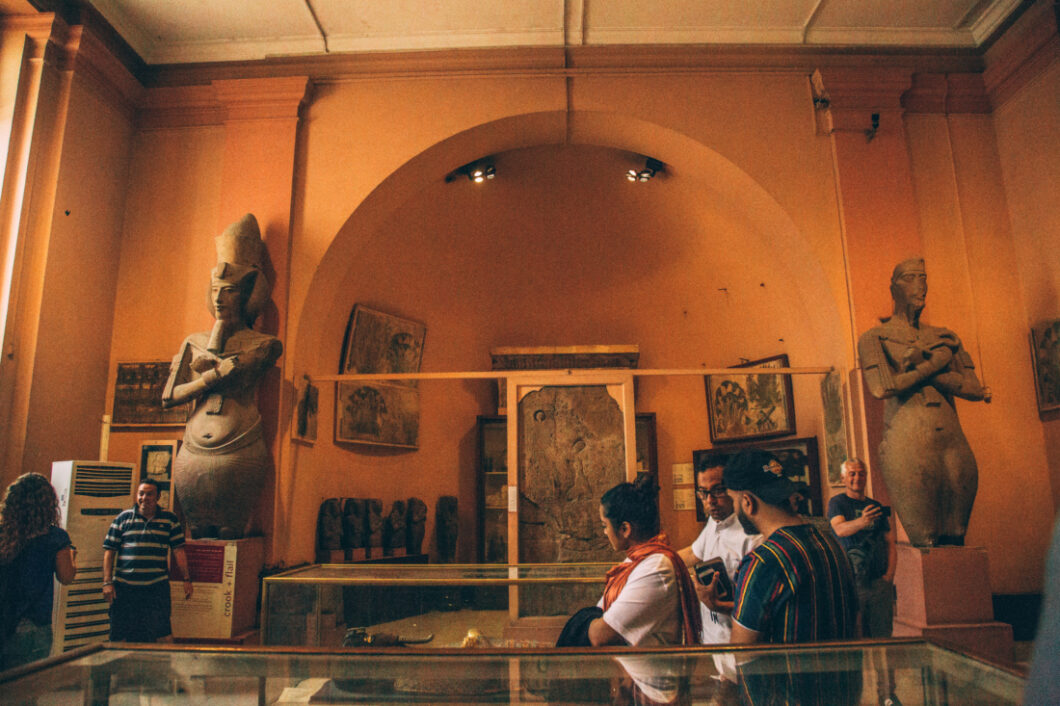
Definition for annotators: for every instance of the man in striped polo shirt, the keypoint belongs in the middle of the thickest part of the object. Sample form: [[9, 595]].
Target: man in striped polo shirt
[[135, 570], [797, 586]]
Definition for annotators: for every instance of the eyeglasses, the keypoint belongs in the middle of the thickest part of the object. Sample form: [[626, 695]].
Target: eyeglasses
[[717, 492]]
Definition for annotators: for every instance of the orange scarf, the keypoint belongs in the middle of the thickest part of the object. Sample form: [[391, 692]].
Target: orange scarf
[[659, 544]]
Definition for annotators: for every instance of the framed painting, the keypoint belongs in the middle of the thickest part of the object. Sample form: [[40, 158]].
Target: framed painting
[[799, 459], [1045, 346], [138, 396], [744, 406], [156, 463], [305, 415], [377, 342], [835, 431], [377, 413]]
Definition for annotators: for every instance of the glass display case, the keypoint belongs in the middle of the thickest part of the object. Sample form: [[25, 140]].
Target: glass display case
[[436, 605], [833, 674], [493, 490]]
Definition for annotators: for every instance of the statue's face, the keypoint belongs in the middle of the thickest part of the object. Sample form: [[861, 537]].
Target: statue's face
[[910, 288], [226, 303]]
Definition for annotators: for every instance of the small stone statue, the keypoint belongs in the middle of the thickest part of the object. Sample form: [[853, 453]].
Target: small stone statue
[[417, 525], [918, 369], [221, 468], [329, 525], [374, 511], [353, 524], [446, 524], [394, 534]]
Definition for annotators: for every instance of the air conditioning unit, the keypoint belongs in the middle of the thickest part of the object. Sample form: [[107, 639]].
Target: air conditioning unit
[[91, 494]]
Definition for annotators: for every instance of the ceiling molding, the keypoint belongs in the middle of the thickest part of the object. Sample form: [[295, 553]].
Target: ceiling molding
[[995, 16], [542, 61], [202, 31]]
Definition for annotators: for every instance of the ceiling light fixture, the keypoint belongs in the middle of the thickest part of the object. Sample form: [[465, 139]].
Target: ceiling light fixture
[[651, 168], [478, 171]]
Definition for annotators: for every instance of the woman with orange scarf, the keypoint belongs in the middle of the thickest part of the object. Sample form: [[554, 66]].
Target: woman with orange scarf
[[649, 598]]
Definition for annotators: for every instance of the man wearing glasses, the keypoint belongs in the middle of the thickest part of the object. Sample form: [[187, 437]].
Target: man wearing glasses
[[722, 538]]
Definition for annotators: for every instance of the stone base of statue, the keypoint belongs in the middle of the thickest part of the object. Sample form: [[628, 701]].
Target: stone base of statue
[[944, 594], [225, 576]]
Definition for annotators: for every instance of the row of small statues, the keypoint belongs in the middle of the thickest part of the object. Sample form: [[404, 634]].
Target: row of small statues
[[358, 523]]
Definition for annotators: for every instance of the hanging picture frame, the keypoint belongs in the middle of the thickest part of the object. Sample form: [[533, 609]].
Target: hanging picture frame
[[377, 342], [798, 457], [742, 406], [1045, 347]]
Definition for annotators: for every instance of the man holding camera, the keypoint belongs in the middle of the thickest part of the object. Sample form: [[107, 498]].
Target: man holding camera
[[722, 538], [864, 529]]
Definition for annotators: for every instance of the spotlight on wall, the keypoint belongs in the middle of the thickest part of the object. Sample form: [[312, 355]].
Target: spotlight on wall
[[651, 168], [478, 171], [481, 173]]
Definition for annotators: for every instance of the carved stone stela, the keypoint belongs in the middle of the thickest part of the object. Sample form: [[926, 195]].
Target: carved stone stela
[[571, 450]]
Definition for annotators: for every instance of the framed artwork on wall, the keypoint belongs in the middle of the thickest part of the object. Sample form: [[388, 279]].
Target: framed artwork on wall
[[835, 431], [798, 457], [138, 396], [156, 463], [377, 413], [305, 414], [1045, 346], [377, 342], [743, 406]]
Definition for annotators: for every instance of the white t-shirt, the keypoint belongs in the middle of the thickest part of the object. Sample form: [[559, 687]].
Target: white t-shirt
[[725, 540], [648, 610]]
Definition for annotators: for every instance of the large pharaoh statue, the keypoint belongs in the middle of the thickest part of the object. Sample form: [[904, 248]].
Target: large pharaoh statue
[[927, 463], [222, 465]]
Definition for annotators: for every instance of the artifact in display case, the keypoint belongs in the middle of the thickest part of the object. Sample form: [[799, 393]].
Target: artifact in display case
[[824, 673], [493, 489], [374, 512], [318, 604], [417, 525], [394, 531], [329, 532], [354, 529], [446, 528]]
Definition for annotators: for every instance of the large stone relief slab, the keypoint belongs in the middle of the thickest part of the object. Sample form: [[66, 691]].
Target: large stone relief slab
[[571, 450]]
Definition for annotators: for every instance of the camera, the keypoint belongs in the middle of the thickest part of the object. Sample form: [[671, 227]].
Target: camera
[[705, 571], [885, 511]]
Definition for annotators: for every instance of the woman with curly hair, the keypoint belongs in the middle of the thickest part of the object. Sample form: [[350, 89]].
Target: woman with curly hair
[[32, 548]]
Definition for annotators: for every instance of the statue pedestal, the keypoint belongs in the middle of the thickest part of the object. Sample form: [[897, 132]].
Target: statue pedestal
[[944, 594], [225, 576]]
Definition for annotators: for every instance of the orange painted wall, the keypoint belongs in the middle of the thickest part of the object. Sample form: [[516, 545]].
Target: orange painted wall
[[738, 246], [78, 308], [1026, 127], [169, 224]]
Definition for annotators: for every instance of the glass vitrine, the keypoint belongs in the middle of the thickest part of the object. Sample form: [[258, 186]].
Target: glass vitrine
[[824, 673], [436, 605]]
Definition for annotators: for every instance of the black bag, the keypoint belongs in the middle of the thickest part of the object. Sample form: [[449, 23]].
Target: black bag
[[576, 632]]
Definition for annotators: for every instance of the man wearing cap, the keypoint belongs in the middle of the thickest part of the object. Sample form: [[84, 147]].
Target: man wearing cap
[[797, 586], [722, 538]]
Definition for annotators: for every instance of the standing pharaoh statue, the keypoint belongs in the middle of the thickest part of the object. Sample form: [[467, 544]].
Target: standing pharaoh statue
[[223, 463], [918, 369]]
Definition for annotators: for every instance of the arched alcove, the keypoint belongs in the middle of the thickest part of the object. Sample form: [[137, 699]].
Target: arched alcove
[[699, 267]]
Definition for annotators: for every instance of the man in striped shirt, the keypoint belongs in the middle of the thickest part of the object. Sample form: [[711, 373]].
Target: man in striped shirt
[[797, 586], [135, 570]]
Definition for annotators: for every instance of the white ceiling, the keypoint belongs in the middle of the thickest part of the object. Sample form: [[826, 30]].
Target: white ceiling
[[183, 31]]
